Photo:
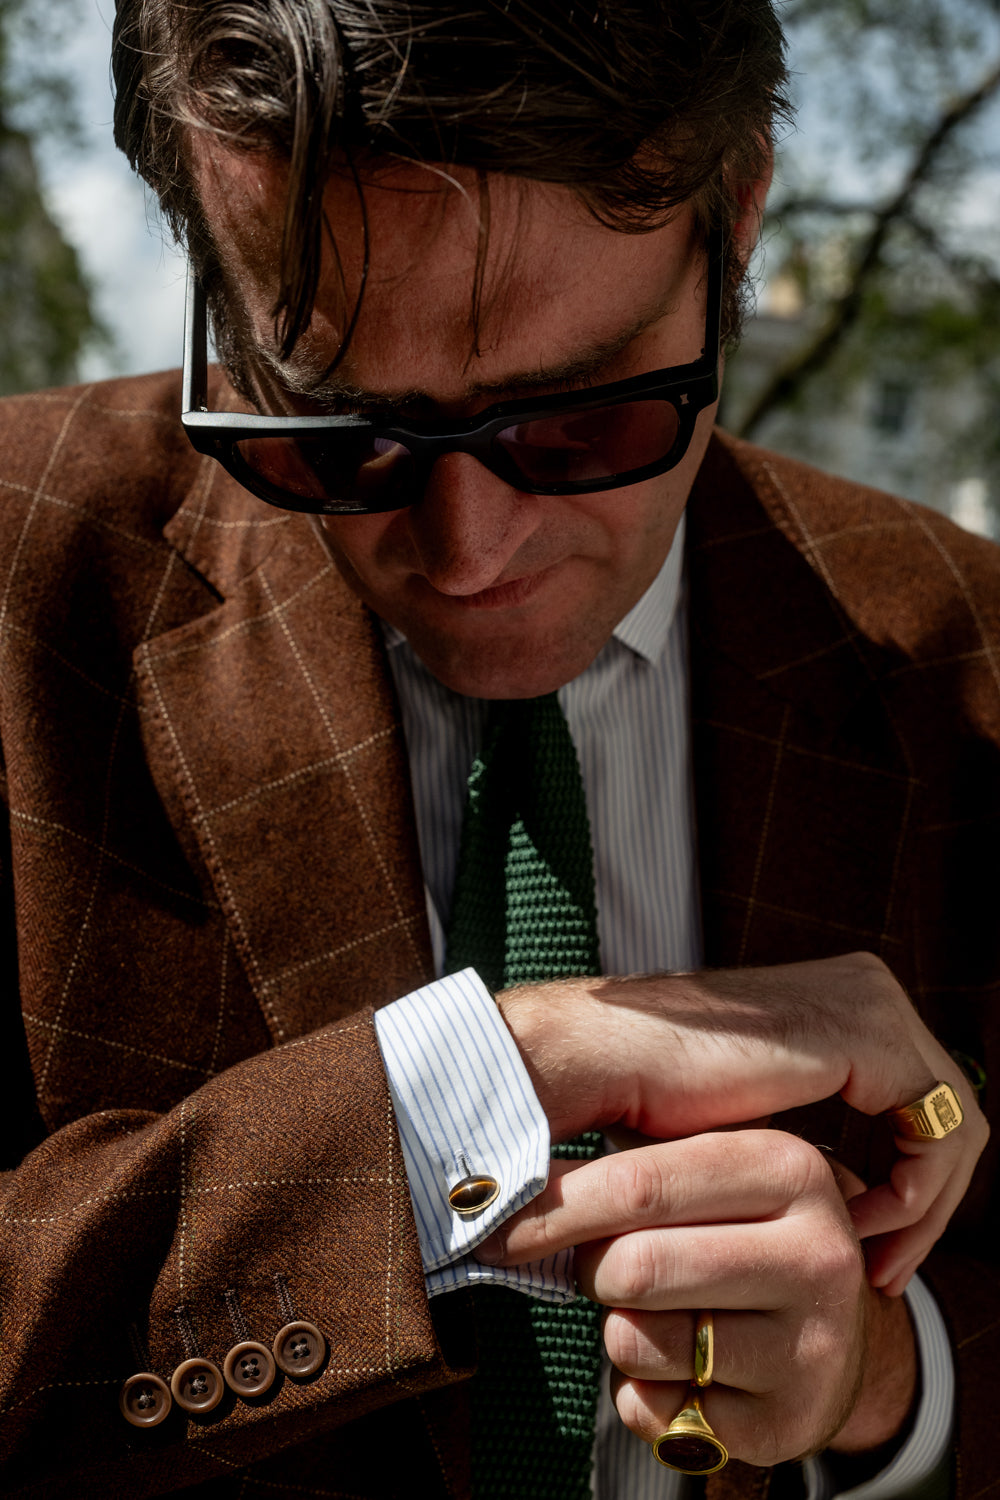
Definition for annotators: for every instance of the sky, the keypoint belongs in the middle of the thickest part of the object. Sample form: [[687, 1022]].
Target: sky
[[104, 211]]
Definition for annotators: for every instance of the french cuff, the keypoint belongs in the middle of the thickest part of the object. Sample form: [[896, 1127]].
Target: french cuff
[[466, 1110], [926, 1447]]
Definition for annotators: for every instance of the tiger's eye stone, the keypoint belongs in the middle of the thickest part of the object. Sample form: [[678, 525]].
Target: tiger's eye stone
[[472, 1194]]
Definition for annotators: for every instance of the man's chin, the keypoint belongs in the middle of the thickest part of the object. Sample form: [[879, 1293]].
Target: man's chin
[[501, 669]]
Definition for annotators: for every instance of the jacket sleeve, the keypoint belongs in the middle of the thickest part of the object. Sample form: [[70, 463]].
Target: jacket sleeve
[[130, 1241]]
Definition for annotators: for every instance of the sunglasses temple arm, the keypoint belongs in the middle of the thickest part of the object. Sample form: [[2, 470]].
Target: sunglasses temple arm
[[194, 396]]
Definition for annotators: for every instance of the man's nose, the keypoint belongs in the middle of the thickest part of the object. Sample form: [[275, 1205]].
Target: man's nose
[[469, 525]]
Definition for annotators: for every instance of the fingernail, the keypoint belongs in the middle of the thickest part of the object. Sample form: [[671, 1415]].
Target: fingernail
[[490, 1251]]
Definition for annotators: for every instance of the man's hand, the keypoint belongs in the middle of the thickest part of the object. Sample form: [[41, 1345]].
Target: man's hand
[[753, 1225], [671, 1056]]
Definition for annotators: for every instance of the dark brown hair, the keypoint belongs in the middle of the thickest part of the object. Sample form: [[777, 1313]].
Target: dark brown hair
[[637, 105]]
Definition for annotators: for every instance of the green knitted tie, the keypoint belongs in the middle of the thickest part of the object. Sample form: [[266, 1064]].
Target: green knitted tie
[[524, 911]]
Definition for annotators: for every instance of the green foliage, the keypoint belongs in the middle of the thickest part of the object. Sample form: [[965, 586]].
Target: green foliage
[[32, 94], [45, 300]]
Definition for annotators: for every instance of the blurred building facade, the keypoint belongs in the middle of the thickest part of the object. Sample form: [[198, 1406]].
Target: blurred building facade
[[883, 420]]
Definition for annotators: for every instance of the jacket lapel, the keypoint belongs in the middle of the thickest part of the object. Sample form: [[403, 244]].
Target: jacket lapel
[[804, 796], [276, 746]]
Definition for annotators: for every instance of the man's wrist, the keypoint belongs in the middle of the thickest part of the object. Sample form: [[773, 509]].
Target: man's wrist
[[917, 1462], [883, 1411], [568, 1059]]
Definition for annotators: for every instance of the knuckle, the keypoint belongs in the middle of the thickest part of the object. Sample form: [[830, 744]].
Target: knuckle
[[876, 982], [648, 1346], [835, 1263], [870, 972], [622, 1341], [643, 1266], [866, 962], [822, 1254], [797, 1168], [640, 1187]]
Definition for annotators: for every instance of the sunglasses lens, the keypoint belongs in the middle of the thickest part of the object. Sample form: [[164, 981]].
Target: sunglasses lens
[[582, 447], [346, 474]]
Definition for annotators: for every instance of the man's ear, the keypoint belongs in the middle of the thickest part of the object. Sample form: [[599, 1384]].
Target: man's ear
[[752, 197]]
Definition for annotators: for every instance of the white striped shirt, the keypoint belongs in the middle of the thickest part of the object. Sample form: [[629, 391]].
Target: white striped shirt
[[462, 1096]]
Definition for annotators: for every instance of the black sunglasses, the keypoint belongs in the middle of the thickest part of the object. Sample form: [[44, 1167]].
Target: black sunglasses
[[601, 438]]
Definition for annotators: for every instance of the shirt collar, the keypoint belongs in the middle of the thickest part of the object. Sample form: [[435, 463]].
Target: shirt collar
[[645, 628]]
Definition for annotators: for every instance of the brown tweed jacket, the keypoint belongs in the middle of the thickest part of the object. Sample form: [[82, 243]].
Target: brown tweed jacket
[[211, 877]]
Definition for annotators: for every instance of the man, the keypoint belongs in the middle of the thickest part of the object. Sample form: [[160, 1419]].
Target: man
[[226, 1268]]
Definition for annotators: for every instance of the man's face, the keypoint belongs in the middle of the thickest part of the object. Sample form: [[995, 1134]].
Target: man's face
[[502, 594]]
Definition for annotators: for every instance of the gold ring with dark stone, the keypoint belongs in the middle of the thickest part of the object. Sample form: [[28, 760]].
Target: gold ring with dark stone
[[689, 1445]]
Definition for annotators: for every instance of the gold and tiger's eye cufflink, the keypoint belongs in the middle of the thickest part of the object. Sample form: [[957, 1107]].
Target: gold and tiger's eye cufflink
[[473, 1193]]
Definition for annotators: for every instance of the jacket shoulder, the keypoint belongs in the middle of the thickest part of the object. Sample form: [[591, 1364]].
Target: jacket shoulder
[[89, 478], [108, 453], [906, 576]]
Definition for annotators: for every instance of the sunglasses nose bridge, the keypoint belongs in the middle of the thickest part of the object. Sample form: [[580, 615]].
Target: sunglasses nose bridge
[[426, 450]]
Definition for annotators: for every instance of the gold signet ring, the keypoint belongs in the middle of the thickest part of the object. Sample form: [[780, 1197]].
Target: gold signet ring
[[689, 1445], [930, 1118]]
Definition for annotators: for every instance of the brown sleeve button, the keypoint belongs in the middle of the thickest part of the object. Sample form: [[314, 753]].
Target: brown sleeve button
[[472, 1194], [299, 1349], [249, 1369], [144, 1400], [197, 1385]]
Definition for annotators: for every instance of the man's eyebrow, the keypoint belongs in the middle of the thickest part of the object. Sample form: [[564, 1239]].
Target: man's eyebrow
[[339, 392]]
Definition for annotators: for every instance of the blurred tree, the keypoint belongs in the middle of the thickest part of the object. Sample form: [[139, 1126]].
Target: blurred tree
[[45, 305], [886, 217]]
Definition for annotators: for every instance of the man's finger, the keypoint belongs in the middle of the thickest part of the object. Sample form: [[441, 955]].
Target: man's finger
[[740, 1176], [751, 1348], [755, 1436], [935, 1176], [764, 1267]]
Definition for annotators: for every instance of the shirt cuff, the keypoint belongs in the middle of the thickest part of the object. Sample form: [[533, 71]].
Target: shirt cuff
[[464, 1104], [927, 1445]]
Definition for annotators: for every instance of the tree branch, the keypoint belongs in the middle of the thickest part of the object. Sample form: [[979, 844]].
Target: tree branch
[[847, 308], [973, 270], [814, 205]]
